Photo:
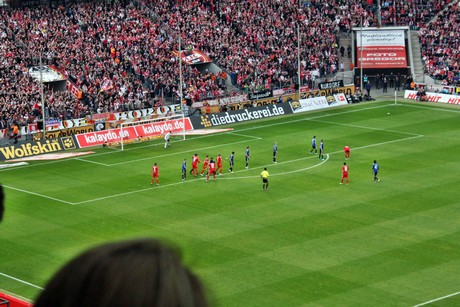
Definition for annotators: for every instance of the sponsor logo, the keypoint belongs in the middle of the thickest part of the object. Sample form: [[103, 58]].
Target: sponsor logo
[[259, 95], [231, 117], [434, 97], [66, 132], [329, 85], [36, 148], [134, 132], [68, 143], [205, 121]]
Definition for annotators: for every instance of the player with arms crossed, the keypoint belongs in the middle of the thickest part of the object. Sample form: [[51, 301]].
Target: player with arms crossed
[[155, 174], [212, 170]]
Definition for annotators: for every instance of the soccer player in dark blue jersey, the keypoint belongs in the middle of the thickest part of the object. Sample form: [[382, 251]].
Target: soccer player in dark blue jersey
[[184, 169], [313, 145], [232, 161], [275, 152], [247, 157], [321, 150], [375, 171]]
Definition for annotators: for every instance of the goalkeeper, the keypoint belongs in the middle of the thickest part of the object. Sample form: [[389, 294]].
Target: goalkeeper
[[168, 139]]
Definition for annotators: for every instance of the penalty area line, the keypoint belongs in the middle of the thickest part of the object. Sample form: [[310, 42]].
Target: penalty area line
[[437, 299], [40, 195]]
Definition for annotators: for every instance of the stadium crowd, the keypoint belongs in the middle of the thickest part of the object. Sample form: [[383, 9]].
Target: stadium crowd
[[120, 53], [440, 46]]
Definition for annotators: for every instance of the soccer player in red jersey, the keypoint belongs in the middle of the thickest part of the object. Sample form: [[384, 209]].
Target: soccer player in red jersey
[[346, 151], [212, 170], [155, 174], [205, 165], [219, 164], [195, 161], [344, 172]]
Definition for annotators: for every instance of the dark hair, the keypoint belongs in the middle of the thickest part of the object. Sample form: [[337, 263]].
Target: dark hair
[[2, 199], [141, 272]]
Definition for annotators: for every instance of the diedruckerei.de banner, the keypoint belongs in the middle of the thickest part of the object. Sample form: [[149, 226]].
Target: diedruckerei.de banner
[[239, 116]]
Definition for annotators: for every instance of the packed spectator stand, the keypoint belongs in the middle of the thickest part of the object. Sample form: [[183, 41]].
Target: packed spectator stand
[[120, 53]]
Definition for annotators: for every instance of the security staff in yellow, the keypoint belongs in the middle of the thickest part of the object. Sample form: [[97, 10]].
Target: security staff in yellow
[[264, 175]]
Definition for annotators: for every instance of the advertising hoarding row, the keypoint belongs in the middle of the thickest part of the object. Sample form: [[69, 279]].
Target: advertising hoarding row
[[86, 136]]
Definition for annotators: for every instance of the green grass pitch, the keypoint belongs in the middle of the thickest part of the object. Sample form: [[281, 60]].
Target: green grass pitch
[[308, 241]]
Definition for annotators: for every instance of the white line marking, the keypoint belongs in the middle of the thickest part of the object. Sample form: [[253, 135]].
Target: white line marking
[[285, 173], [40, 195], [247, 129], [181, 182], [90, 161], [21, 281], [434, 108], [245, 135], [363, 127], [313, 117], [438, 299], [182, 152]]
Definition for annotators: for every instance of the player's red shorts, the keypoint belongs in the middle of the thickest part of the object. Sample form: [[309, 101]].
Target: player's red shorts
[[345, 175]]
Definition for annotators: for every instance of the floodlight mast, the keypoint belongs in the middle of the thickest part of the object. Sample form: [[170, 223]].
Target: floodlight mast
[[181, 95], [42, 97], [361, 57], [298, 58]]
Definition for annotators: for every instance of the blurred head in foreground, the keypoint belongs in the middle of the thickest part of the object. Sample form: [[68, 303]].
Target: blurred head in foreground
[[135, 273]]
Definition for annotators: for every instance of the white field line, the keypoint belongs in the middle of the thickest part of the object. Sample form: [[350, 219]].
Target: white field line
[[198, 137], [438, 299], [90, 161], [245, 170], [430, 108], [244, 135], [21, 281], [180, 182], [183, 152], [285, 173], [364, 127], [314, 117], [40, 195], [259, 127]]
